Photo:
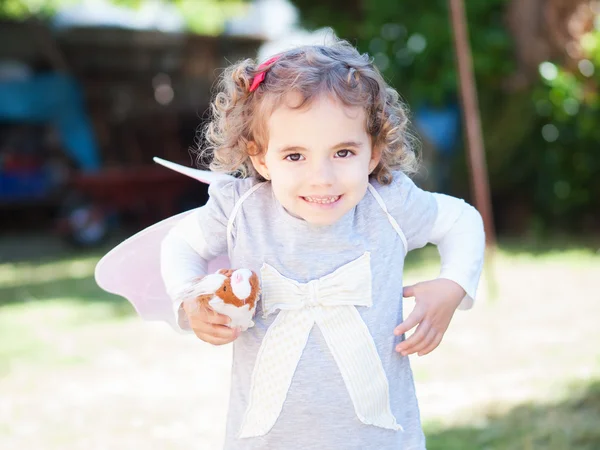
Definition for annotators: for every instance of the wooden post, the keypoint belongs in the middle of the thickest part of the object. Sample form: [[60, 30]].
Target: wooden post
[[472, 120]]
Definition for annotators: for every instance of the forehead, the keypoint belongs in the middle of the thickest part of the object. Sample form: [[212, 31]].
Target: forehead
[[323, 122]]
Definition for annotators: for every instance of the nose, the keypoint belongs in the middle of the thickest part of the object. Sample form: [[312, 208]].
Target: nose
[[323, 173]]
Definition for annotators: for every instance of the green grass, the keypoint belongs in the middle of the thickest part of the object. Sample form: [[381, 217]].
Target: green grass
[[78, 369], [568, 424], [42, 334]]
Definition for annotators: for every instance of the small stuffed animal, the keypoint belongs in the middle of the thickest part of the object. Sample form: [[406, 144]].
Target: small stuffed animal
[[233, 293]]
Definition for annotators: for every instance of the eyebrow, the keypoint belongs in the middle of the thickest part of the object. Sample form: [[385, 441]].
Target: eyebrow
[[346, 144]]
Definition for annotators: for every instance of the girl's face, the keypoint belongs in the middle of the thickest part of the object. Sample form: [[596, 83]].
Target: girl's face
[[318, 158]]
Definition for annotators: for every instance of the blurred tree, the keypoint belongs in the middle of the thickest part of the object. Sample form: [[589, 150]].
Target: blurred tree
[[535, 69], [209, 16], [19, 9], [201, 16], [544, 30]]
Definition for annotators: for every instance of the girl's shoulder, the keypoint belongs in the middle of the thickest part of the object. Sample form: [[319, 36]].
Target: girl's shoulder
[[413, 208], [231, 187], [402, 196], [227, 192], [399, 188]]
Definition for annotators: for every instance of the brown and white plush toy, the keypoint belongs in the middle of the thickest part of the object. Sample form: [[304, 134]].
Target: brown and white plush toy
[[233, 293]]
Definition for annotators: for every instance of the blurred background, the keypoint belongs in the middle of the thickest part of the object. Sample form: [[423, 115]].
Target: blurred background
[[91, 90]]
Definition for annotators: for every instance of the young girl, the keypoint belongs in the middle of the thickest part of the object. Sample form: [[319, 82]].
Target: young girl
[[325, 213]]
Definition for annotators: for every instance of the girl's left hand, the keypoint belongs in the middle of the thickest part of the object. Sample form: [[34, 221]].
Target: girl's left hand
[[435, 303]]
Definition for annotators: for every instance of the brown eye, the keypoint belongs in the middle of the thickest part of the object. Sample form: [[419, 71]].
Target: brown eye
[[294, 157], [343, 153], [224, 288]]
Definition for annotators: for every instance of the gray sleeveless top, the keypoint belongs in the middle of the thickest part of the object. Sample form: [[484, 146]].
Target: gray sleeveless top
[[320, 408]]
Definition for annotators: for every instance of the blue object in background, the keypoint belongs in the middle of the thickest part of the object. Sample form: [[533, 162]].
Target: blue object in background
[[26, 185], [56, 99], [440, 126]]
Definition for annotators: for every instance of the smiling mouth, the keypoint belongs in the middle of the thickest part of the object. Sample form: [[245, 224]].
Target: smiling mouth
[[322, 200]]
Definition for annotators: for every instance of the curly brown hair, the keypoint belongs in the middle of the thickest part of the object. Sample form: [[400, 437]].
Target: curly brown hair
[[239, 116]]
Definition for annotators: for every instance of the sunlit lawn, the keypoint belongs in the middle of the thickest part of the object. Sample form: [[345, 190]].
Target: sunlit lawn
[[79, 370]]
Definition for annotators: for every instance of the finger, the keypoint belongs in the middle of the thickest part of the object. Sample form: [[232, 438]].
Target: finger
[[406, 347], [215, 318], [214, 340], [431, 347], [217, 332], [222, 331], [411, 321], [425, 342], [194, 307], [204, 321], [408, 291], [204, 313]]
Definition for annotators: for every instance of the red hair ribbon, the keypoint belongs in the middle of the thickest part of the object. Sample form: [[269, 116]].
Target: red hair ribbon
[[259, 78]]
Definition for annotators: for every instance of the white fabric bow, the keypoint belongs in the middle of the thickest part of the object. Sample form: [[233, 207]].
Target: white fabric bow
[[331, 302]]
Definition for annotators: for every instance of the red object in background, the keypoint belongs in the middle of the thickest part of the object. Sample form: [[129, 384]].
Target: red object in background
[[125, 189], [144, 194], [19, 163]]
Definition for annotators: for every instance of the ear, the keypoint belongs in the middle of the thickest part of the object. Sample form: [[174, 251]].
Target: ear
[[375, 158], [258, 160]]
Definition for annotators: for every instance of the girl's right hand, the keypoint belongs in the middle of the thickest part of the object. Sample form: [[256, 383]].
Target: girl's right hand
[[210, 326]]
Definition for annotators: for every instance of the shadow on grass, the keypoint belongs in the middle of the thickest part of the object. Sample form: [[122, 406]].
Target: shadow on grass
[[45, 248], [573, 424], [81, 290], [588, 245], [48, 247], [36, 250], [550, 245]]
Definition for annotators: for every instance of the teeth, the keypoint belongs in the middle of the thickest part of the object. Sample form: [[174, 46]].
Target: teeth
[[322, 200]]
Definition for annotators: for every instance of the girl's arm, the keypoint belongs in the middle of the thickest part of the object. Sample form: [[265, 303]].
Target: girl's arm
[[457, 229], [460, 239], [193, 242], [180, 265], [448, 222]]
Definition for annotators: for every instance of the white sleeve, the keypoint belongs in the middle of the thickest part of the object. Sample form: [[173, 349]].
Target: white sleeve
[[198, 238], [459, 235], [180, 264]]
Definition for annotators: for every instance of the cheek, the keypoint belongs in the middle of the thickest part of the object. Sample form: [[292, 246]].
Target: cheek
[[284, 178], [284, 187], [358, 173]]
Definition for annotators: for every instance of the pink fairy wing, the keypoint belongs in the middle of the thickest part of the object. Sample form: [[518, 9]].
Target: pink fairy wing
[[132, 268]]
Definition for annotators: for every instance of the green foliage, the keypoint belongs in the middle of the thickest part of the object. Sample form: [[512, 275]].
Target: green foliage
[[209, 16], [411, 42], [20, 9], [201, 16], [568, 160]]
